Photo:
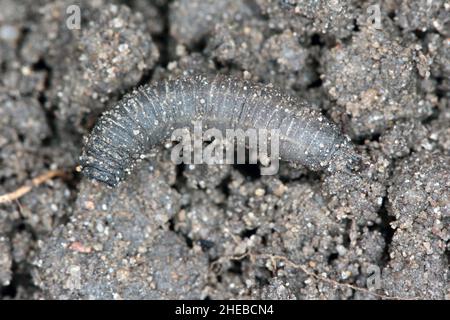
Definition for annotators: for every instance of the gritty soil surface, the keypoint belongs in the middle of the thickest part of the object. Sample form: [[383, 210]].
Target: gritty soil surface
[[225, 232]]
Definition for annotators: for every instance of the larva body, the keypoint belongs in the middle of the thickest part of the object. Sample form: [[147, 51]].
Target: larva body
[[150, 113]]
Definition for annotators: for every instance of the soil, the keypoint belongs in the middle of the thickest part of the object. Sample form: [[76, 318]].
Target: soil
[[227, 232]]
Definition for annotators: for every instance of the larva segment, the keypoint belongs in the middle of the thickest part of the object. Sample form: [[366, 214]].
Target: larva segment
[[149, 115]]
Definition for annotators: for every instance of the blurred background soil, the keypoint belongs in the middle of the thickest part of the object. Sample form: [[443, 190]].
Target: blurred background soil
[[223, 232]]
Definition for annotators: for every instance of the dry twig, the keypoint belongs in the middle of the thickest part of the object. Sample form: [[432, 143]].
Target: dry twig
[[314, 275], [9, 197]]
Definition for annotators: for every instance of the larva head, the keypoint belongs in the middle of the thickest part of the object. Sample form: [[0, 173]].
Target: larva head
[[345, 158]]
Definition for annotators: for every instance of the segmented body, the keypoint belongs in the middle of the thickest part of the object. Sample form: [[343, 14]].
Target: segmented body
[[150, 113]]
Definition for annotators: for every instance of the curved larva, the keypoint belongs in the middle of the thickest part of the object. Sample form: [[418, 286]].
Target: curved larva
[[149, 115]]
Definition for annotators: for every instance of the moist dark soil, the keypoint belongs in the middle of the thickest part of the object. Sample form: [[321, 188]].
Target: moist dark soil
[[227, 232]]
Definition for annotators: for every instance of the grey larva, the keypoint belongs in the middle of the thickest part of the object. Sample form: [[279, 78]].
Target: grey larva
[[150, 113]]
